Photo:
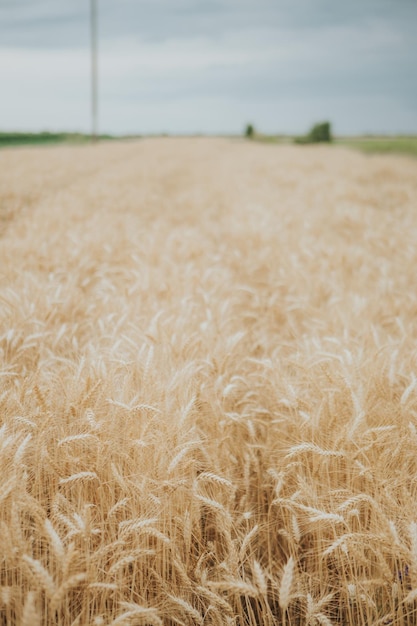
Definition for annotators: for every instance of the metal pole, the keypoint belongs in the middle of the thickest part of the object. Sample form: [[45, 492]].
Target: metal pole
[[94, 81]]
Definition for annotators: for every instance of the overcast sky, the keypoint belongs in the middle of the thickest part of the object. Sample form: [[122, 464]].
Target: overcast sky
[[185, 66]]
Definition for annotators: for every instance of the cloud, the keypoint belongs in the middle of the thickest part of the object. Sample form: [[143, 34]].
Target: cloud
[[191, 64], [64, 23]]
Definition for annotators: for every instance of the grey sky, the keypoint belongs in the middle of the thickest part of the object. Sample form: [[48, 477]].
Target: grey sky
[[211, 65]]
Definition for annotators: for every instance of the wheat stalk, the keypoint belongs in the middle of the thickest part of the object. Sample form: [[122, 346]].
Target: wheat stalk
[[284, 591], [30, 615]]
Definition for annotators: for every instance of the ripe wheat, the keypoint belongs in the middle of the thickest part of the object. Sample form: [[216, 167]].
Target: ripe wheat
[[208, 386]]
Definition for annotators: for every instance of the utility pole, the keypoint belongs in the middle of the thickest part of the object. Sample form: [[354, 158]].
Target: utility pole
[[94, 78]]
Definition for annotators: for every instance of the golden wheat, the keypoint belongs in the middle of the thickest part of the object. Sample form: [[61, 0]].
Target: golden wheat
[[208, 385]]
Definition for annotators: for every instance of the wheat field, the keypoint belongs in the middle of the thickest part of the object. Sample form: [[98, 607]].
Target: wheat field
[[208, 385]]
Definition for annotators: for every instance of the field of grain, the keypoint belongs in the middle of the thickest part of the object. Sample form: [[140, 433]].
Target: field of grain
[[208, 385]]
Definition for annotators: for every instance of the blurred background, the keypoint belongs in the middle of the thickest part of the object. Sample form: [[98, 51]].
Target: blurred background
[[210, 66]]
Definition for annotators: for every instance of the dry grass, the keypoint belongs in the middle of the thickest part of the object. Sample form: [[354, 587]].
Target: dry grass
[[208, 386]]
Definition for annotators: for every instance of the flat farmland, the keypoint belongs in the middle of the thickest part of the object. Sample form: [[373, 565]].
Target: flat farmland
[[208, 385]]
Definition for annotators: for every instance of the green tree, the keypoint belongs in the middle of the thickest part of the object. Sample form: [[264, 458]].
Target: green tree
[[319, 133], [249, 131]]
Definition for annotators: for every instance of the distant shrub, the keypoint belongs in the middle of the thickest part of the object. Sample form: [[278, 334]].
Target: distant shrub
[[319, 133], [249, 131]]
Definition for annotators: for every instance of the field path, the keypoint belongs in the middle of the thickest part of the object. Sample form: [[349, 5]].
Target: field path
[[207, 362]]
